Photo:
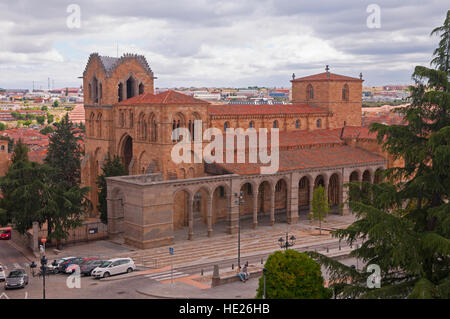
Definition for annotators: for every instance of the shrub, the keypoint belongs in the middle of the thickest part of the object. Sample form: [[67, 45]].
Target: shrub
[[292, 275]]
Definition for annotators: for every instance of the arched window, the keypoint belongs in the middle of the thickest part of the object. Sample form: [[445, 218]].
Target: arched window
[[345, 93], [91, 124], [99, 125], [297, 124], [275, 124], [226, 125], [309, 92], [141, 88], [122, 118], [94, 90], [251, 124], [120, 92], [100, 93], [152, 124], [90, 92], [131, 91], [142, 127], [319, 123]]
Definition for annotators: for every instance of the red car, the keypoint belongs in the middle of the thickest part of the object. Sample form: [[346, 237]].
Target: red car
[[5, 233]]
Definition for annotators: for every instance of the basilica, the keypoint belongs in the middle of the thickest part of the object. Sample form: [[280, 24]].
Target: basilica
[[321, 142]]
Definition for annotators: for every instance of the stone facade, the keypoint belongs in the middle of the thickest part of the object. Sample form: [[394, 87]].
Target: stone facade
[[124, 117]]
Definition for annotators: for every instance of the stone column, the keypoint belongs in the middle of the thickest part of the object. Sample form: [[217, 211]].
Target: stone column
[[209, 215], [190, 219], [272, 206], [344, 180], [293, 203], [255, 208]]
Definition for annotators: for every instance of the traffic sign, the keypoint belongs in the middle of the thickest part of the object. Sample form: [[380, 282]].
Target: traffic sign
[[43, 240], [171, 250]]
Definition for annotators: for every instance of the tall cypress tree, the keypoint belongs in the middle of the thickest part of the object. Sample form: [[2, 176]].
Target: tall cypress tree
[[405, 221], [112, 167]]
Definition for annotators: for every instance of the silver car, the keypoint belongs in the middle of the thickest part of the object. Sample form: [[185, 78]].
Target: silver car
[[2, 274], [17, 278]]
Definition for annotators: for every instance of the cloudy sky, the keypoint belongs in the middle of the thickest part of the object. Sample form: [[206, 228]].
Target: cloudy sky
[[218, 43]]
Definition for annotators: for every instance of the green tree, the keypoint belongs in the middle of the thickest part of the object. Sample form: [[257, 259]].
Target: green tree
[[3, 126], [27, 123], [320, 206], [40, 119], [111, 167], [55, 103], [292, 275], [44, 108], [50, 118], [405, 221], [64, 156], [46, 130]]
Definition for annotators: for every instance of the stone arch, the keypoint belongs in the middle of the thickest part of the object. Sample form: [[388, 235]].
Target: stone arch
[[130, 87], [304, 189], [153, 127], [297, 124], [179, 120], [378, 178], [251, 124], [220, 203], [226, 125], [281, 196], [334, 189], [319, 123], [265, 190], [142, 126], [354, 176], [141, 88], [275, 124], [367, 176], [92, 124], [200, 202], [319, 181], [126, 150]]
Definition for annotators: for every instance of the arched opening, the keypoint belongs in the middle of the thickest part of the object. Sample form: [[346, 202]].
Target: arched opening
[[251, 124], [333, 191], [226, 125], [297, 124], [264, 203], [127, 151], [246, 208], [275, 124], [367, 178], [319, 123], [220, 208], [281, 198], [120, 92], [94, 90], [91, 124], [153, 127], [199, 208], [100, 93], [141, 89], [303, 194], [354, 176], [319, 181], [378, 178], [142, 127], [131, 83]]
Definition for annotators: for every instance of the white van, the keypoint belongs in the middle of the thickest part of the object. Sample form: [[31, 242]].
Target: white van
[[114, 267]]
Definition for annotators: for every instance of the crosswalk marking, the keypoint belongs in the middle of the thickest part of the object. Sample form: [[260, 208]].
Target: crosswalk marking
[[15, 265], [166, 275]]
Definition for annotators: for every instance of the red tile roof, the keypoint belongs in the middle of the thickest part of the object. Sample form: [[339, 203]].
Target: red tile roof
[[243, 109], [323, 76], [167, 97], [338, 155]]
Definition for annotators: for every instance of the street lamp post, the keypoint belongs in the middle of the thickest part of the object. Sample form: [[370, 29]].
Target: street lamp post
[[288, 242], [239, 202], [43, 270], [264, 275]]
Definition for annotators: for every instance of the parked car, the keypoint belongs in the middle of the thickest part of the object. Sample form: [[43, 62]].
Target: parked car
[[66, 263], [88, 266], [2, 274], [114, 267], [17, 278], [77, 263], [5, 233]]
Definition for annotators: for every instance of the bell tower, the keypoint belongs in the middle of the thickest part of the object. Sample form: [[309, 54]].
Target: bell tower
[[342, 95]]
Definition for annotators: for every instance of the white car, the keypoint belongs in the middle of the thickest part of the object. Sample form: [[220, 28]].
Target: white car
[[114, 267], [2, 274]]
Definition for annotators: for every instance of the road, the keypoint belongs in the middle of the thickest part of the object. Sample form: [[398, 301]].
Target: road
[[10, 257]]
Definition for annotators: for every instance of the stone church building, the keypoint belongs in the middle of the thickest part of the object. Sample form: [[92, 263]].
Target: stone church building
[[321, 143]]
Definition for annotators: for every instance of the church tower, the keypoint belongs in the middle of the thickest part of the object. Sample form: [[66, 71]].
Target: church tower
[[342, 95]]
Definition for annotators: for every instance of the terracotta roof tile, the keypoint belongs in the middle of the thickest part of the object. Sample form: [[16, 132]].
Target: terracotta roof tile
[[243, 109], [323, 76], [167, 97]]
